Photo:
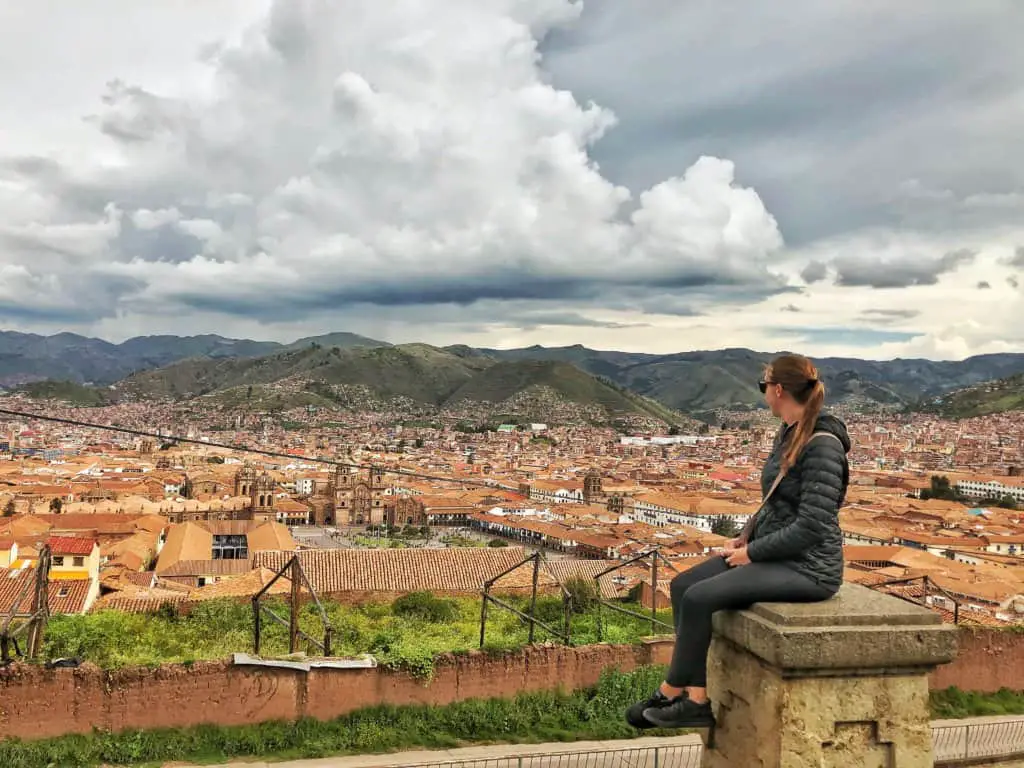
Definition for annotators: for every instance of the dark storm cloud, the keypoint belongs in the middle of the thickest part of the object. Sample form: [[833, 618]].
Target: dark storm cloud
[[894, 313], [873, 272], [814, 272], [827, 108]]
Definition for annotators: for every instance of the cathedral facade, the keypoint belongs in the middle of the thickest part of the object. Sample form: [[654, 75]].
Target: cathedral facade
[[357, 498]]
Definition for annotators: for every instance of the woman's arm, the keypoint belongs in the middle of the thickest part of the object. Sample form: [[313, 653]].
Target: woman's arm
[[822, 468]]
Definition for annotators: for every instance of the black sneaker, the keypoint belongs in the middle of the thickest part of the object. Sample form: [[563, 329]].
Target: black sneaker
[[635, 714], [681, 712]]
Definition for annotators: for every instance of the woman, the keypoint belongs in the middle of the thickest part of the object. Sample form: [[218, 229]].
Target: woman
[[790, 551]]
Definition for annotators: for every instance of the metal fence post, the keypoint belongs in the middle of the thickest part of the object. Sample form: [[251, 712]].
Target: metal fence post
[[967, 741]]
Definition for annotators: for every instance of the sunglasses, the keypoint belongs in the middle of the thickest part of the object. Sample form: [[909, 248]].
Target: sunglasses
[[763, 385]]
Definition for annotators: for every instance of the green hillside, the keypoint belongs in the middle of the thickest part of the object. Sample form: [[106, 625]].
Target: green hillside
[[370, 376], [67, 391], [502, 381], [980, 400]]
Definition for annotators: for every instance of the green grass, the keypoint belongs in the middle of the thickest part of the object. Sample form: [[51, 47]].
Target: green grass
[[528, 718], [404, 639], [953, 703]]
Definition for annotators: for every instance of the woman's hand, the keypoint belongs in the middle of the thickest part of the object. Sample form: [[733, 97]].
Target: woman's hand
[[738, 557], [733, 544]]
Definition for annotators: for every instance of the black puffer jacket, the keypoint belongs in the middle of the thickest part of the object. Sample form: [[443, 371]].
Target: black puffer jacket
[[799, 525]]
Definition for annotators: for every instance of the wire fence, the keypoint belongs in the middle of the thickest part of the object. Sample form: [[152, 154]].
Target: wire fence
[[1001, 738]]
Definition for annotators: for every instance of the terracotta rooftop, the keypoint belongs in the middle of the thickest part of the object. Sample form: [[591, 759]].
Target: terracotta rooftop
[[407, 570], [66, 596], [71, 545], [244, 585]]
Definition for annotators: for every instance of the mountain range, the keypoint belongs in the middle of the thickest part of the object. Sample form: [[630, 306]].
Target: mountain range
[[696, 382]]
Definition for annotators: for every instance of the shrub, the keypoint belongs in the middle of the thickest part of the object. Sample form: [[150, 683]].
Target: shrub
[[583, 592], [426, 606]]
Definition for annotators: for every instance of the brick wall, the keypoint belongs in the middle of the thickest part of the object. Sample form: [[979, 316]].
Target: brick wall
[[37, 703], [987, 661]]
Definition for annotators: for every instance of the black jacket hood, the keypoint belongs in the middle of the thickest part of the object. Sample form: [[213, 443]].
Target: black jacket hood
[[828, 423]]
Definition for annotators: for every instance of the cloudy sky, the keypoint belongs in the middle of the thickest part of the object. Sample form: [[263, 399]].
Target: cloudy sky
[[836, 178]]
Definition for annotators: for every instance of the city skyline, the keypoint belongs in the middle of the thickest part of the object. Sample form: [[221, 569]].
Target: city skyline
[[634, 178]]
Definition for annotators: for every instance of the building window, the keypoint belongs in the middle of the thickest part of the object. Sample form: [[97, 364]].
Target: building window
[[58, 561], [79, 562]]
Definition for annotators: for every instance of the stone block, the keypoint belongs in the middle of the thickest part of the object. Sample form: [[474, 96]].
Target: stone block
[[842, 682]]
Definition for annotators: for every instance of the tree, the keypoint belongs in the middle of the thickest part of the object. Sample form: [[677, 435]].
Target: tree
[[674, 429], [9, 508], [495, 543], [940, 489], [724, 526], [56, 505]]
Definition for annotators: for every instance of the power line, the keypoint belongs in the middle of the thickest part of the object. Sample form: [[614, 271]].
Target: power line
[[246, 449]]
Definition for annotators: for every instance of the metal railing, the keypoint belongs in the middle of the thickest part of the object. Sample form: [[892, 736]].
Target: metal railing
[[953, 745], [1002, 738], [669, 756], [654, 555]]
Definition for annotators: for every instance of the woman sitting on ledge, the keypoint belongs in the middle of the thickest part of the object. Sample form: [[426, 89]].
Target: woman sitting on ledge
[[790, 551]]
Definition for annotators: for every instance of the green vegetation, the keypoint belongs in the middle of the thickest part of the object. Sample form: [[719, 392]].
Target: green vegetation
[[68, 391], [528, 718], [941, 488], [408, 634], [455, 540], [982, 399], [723, 526], [502, 381], [371, 376], [954, 703], [383, 542]]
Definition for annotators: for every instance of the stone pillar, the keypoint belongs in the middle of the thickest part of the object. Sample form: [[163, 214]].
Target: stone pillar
[[837, 684]]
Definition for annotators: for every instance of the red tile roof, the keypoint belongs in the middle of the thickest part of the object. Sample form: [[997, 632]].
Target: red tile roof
[[71, 545], [65, 596]]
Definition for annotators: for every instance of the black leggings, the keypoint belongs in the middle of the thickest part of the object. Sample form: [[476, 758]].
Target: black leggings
[[714, 586]]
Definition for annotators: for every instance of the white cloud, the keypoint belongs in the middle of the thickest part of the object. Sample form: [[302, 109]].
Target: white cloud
[[145, 219], [372, 167], [359, 153]]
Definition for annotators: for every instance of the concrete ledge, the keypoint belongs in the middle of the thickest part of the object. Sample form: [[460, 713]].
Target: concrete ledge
[[857, 631]]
